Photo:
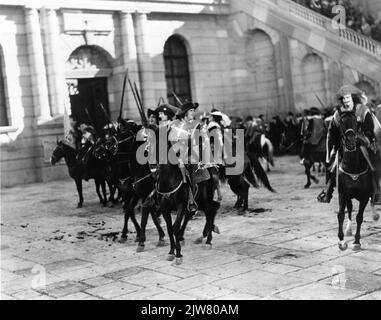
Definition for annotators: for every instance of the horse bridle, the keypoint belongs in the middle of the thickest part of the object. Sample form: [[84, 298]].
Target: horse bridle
[[343, 135]]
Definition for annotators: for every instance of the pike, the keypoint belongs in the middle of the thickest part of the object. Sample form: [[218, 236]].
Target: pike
[[106, 114], [177, 98], [135, 98], [122, 99], [320, 101], [144, 119], [88, 115]]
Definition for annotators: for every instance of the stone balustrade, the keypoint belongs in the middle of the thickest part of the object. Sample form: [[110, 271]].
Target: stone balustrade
[[321, 21]]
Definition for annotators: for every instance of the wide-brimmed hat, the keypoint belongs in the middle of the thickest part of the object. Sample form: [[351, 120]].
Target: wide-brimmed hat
[[347, 89], [167, 109], [186, 107], [315, 111], [151, 112]]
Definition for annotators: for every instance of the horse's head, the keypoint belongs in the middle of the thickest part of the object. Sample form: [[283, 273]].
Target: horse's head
[[58, 153], [348, 131]]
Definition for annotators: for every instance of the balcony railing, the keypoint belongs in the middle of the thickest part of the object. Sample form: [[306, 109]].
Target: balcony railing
[[359, 40]]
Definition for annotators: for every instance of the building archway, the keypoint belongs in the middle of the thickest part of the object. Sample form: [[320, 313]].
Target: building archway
[[176, 64], [313, 77], [87, 72], [368, 88], [262, 90]]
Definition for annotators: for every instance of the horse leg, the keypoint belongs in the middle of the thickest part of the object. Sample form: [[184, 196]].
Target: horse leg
[[103, 186], [340, 217], [97, 185], [136, 224], [211, 212], [348, 229], [143, 224], [177, 233], [168, 221], [156, 221], [124, 236], [359, 220], [78, 183], [307, 166]]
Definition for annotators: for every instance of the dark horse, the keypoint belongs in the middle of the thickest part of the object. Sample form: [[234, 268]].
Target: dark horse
[[312, 154], [355, 179], [173, 196], [96, 168], [136, 182]]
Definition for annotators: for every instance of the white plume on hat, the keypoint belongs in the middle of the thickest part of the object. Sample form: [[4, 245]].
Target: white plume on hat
[[225, 119]]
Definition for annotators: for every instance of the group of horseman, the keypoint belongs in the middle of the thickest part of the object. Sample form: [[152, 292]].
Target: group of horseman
[[180, 124]]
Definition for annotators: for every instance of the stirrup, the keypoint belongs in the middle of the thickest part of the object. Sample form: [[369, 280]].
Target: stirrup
[[323, 197]]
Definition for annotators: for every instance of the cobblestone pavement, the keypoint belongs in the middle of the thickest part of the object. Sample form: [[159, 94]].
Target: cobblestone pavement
[[285, 247]]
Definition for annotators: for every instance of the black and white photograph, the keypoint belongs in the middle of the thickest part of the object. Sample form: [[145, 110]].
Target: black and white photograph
[[190, 151]]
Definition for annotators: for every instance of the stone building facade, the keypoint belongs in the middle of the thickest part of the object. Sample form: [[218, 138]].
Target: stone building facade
[[243, 56]]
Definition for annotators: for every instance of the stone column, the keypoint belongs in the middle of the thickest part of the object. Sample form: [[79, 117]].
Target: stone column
[[144, 60], [55, 63], [37, 66], [130, 109]]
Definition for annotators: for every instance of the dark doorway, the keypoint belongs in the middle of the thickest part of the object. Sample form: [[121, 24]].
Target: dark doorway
[[176, 70], [89, 94]]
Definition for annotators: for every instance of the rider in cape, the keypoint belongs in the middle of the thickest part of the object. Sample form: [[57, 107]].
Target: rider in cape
[[353, 100]]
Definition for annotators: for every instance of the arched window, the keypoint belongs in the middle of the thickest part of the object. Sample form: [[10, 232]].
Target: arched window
[[176, 69], [3, 105]]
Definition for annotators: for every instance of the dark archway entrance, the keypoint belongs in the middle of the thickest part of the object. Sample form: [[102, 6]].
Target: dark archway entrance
[[87, 70], [176, 69]]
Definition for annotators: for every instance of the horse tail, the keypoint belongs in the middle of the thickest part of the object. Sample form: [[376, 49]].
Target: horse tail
[[249, 175], [270, 151], [261, 174]]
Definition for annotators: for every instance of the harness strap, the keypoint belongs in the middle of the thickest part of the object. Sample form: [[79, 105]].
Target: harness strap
[[352, 175], [140, 180], [366, 156], [168, 194]]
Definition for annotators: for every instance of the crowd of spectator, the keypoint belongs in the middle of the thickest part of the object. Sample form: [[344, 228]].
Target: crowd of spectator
[[356, 17]]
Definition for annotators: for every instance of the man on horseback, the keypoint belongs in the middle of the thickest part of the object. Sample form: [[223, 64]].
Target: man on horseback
[[351, 100], [314, 130], [87, 143], [182, 130]]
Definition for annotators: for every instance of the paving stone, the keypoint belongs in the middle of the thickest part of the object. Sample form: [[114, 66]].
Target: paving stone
[[318, 291], [238, 296], [186, 284], [376, 295], [78, 296], [143, 294], [131, 271], [259, 283], [170, 295], [294, 258], [113, 289], [208, 292], [359, 281], [97, 281], [248, 248], [150, 278], [62, 288]]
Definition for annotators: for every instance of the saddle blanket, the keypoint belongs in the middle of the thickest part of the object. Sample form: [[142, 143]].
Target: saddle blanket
[[198, 176]]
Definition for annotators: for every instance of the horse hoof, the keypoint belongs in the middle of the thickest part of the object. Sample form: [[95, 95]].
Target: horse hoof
[[376, 217], [307, 186], [198, 240], [170, 257], [343, 245], [140, 248], [348, 233], [161, 243], [216, 229], [316, 180], [357, 247], [122, 240], [182, 243], [104, 204], [179, 261], [79, 205], [208, 246], [111, 205]]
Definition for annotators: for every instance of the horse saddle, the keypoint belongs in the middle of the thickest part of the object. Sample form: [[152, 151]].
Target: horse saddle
[[198, 175]]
